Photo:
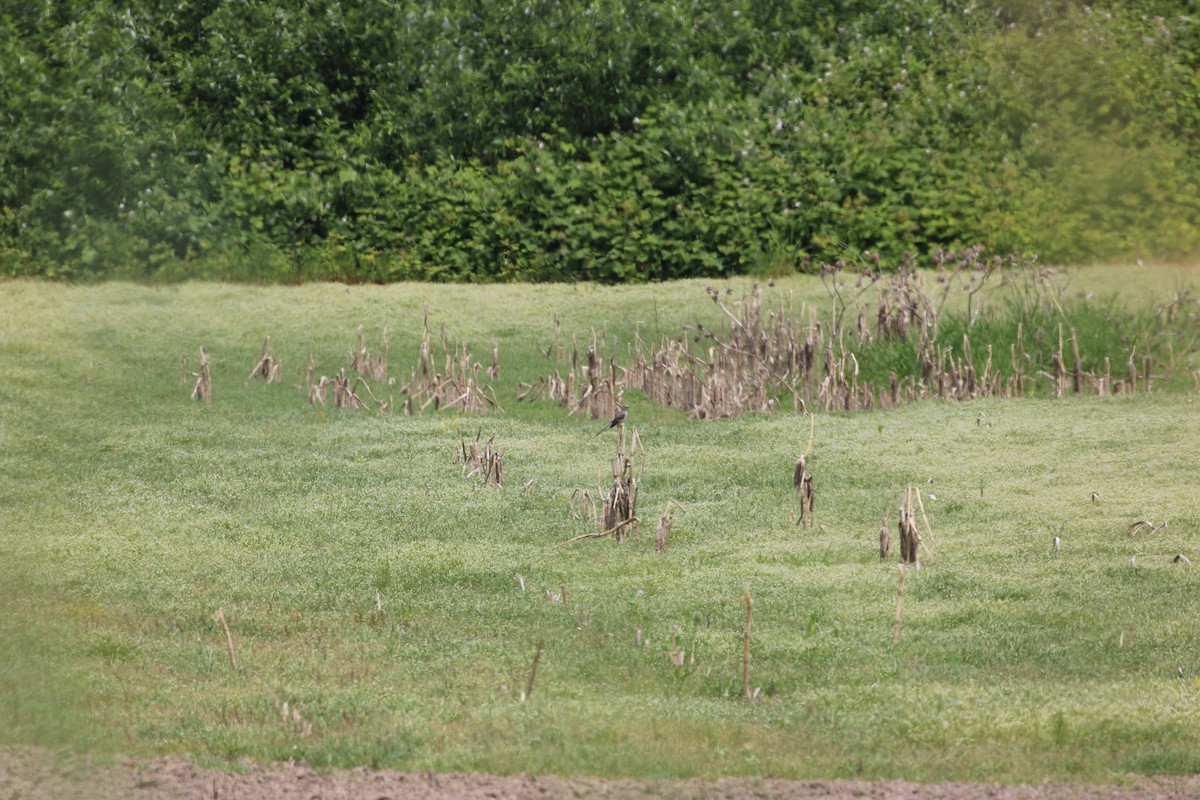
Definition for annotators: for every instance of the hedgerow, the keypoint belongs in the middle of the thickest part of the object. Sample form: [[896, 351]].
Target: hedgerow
[[608, 140]]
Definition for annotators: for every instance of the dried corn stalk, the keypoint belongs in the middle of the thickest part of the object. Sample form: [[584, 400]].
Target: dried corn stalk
[[662, 531], [268, 367], [343, 392], [591, 386], [798, 475], [802, 480], [910, 537], [203, 387], [619, 505], [479, 459], [458, 387], [806, 502], [581, 505], [363, 362], [318, 392]]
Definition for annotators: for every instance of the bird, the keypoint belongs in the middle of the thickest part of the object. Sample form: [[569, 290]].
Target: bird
[[618, 418]]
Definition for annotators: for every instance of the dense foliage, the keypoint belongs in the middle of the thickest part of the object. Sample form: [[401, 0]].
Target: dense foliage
[[614, 140]]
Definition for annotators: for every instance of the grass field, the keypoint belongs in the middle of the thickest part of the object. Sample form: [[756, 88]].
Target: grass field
[[385, 610]]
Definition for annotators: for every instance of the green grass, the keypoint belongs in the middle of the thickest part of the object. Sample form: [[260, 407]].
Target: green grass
[[132, 514]]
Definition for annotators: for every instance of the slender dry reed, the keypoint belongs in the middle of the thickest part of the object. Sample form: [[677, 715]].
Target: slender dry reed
[[746, 693], [899, 607], [885, 539], [910, 536], [456, 386], [228, 637], [587, 385], [533, 670]]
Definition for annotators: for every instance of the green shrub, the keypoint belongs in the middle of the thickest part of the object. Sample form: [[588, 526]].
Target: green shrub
[[588, 139]]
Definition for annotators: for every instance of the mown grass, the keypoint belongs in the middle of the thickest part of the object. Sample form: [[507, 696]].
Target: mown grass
[[377, 593]]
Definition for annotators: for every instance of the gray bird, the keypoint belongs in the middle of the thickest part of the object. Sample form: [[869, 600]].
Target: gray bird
[[618, 418]]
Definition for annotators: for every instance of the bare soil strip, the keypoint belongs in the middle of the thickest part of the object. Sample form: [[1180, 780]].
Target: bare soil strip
[[28, 774]]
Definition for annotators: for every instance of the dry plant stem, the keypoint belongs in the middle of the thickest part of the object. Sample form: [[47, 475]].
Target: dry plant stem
[[662, 532], [228, 637], [676, 654], [802, 481], [601, 534], [757, 354], [268, 367], [746, 649], [928, 527], [910, 536], [203, 389], [384, 406], [899, 607], [537, 656], [620, 504], [483, 461], [806, 501], [457, 386]]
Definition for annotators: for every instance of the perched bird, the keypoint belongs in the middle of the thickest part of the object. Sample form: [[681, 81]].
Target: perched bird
[[618, 418]]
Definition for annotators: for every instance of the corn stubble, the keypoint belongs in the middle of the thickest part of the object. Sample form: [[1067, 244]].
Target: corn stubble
[[479, 459], [766, 354], [587, 385], [617, 515], [908, 531], [662, 531], [457, 385], [619, 505], [203, 387], [268, 367]]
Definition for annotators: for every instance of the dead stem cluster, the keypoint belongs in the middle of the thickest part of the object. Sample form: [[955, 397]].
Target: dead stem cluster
[[268, 367], [802, 479], [460, 384], [907, 530], [617, 515], [802, 482], [619, 504], [588, 385], [457, 386], [764, 352], [479, 459], [346, 390], [367, 364]]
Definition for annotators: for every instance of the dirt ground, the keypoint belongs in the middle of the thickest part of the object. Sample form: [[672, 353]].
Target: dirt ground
[[27, 774]]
